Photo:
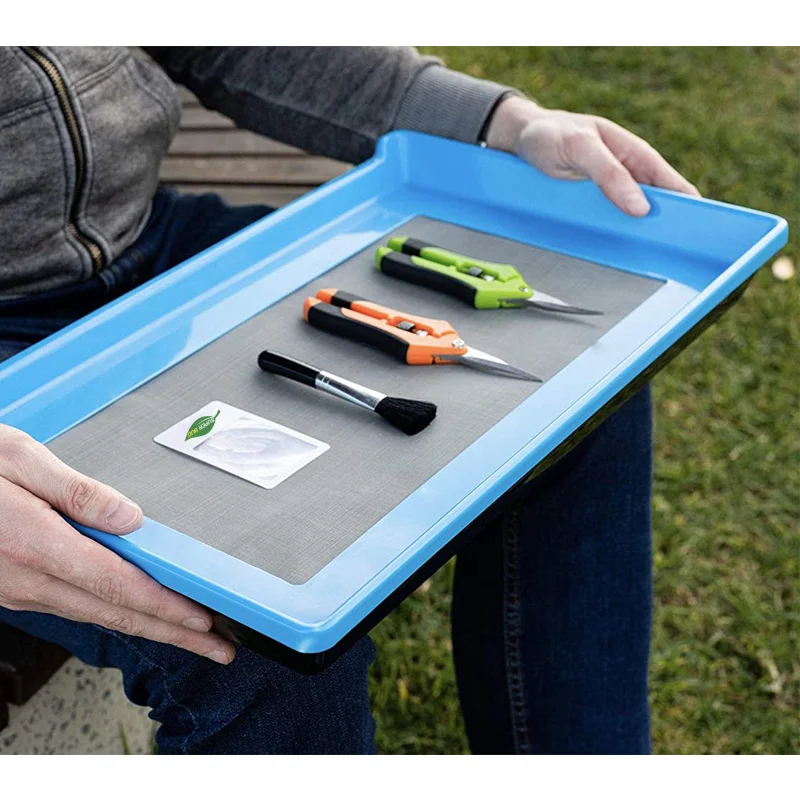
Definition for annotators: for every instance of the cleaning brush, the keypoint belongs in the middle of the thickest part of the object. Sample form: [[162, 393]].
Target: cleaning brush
[[409, 416]]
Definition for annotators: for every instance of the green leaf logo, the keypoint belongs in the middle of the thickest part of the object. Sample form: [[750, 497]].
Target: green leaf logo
[[201, 426]]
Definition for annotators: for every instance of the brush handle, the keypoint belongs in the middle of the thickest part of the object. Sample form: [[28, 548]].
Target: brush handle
[[288, 368], [318, 379]]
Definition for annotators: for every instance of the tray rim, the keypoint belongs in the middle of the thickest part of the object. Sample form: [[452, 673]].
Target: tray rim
[[295, 616]]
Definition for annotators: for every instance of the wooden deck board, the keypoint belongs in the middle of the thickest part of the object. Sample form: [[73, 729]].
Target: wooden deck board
[[199, 118], [298, 171], [235, 195], [209, 154], [228, 142]]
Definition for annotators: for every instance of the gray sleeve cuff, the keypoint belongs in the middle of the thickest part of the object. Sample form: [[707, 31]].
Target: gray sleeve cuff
[[448, 103]]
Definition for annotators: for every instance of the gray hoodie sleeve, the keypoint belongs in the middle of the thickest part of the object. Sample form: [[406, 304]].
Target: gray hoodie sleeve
[[335, 101]]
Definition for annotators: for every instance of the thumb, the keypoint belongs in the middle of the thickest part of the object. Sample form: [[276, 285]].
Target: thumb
[[86, 501]]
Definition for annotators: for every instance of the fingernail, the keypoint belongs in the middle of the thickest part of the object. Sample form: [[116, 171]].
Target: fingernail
[[219, 656], [636, 204], [197, 624], [123, 515]]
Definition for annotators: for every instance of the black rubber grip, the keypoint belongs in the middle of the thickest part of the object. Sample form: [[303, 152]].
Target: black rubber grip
[[287, 367], [398, 265], [414, 247], [345, 299], [333, 320]]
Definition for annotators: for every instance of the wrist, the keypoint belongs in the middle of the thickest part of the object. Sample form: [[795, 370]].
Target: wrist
[[508, 119], [447, 103]]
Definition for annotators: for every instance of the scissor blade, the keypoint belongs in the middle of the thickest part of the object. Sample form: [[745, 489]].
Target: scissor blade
[[477, 359], [546, 302]]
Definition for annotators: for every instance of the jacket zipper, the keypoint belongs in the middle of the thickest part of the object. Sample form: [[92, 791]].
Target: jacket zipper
[[71, 119]]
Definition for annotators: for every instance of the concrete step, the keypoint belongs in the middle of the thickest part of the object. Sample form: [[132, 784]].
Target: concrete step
[[81, 710]]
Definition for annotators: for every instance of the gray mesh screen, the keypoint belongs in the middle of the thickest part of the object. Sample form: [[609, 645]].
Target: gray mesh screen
[[294, 530]]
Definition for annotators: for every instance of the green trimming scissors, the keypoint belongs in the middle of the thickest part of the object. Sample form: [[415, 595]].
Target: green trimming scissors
[[482, 284]]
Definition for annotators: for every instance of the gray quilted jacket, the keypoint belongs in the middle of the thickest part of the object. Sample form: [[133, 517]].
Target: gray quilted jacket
[[83, 131]]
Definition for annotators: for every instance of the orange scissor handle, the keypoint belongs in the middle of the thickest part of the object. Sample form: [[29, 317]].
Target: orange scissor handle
[[413, 339], [433, 327]]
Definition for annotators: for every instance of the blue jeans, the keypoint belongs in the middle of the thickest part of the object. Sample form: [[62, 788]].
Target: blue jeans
[[551, 603]]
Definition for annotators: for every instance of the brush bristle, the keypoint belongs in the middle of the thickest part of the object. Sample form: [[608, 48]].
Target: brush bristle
[[409, 416]]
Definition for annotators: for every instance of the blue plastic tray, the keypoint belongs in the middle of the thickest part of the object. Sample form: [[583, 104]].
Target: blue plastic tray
[[704, 252]]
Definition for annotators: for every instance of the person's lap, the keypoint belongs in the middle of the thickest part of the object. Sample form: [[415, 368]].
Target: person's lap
[[551, 607], [253, 705]]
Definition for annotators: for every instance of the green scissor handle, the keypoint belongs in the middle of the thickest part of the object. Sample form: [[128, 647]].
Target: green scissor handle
[[482, 284]]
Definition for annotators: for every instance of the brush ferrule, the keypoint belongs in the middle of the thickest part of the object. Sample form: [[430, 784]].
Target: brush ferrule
[[347, 390]]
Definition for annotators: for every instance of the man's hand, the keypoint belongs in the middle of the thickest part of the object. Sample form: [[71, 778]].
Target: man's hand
[[576, 146], [46, 565]]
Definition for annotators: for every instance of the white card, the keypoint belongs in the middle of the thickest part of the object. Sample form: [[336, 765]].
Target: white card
[[250, 447]]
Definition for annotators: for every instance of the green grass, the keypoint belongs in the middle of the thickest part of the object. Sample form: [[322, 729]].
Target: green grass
[[725, 674]]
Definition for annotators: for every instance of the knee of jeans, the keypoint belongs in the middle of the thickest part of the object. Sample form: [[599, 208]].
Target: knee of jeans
[[626, 434], [257, 705]]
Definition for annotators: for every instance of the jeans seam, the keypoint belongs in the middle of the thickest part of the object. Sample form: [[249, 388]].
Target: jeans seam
[[512, 632], [142, 657]]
